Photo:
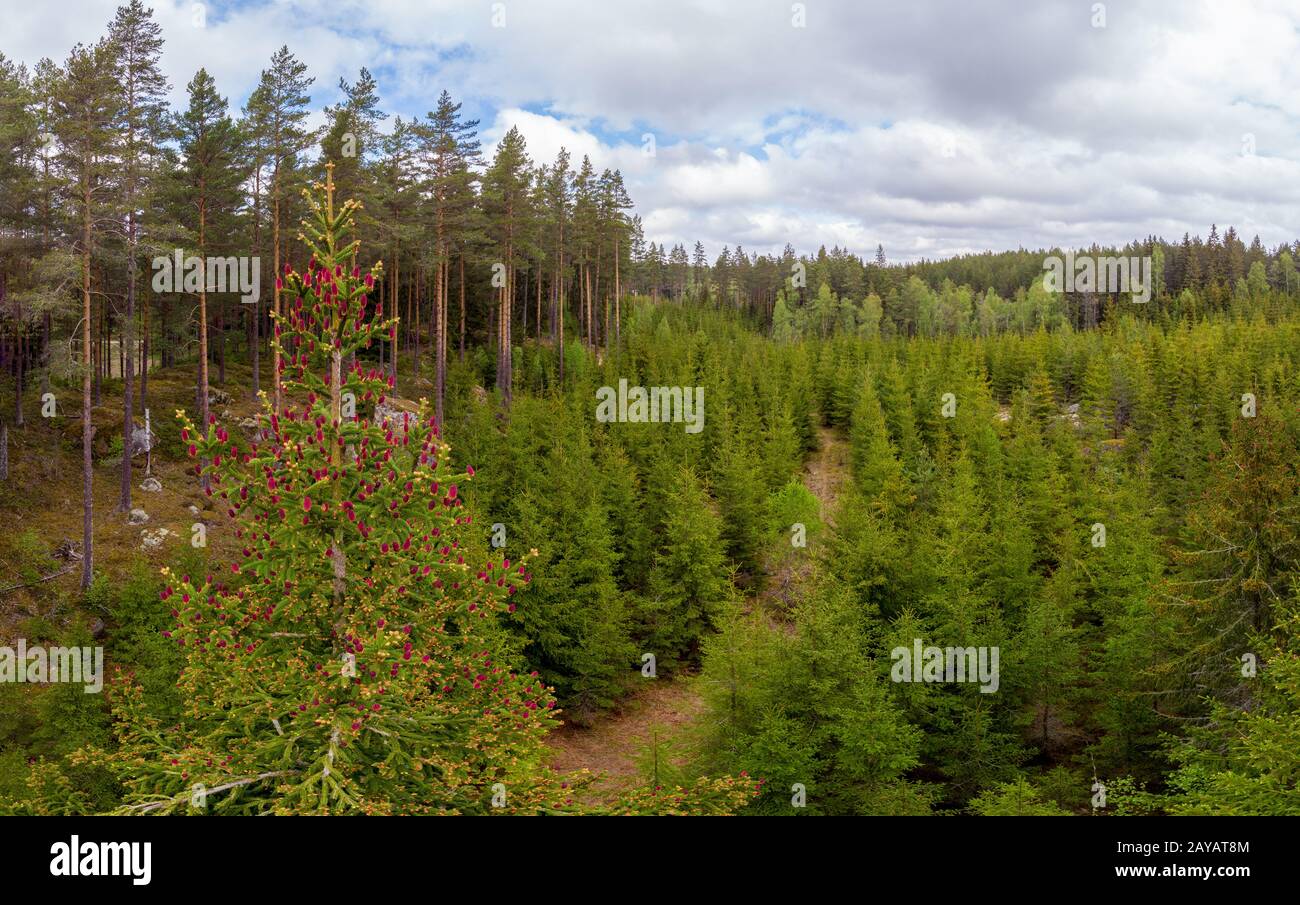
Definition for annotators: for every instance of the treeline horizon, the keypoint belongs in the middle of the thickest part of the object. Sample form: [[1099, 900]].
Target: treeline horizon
[[141, 179]]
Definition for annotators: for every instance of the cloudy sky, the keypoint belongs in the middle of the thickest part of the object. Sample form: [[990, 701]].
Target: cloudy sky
[[932, 128]]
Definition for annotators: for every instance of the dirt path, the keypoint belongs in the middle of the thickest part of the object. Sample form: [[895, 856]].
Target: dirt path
[[613, 746], [827, 470], [788, 574]]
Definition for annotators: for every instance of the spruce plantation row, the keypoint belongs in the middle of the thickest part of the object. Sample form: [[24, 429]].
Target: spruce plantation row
[[979, 529], [1122, 663], [426, 546]]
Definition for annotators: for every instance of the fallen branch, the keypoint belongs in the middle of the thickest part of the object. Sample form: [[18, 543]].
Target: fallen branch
[[64, 571]]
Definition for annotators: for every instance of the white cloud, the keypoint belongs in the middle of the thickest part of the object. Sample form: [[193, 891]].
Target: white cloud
[[930, 127]]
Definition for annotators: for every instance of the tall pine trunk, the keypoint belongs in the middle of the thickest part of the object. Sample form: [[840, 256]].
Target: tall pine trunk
[[203, 324], [255, 313], [145, 351], [87, 429], [277, 394], [128, 365]]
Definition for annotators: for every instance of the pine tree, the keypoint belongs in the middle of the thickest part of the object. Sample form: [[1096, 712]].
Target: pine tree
[[1044, 670], [209, 179], [351, 140], [506, 201], [86, 106], [613, 202], [557, 192], [396, 197], [584, 232], [21, 159], [277, 109], [450, 151], [137, 43]]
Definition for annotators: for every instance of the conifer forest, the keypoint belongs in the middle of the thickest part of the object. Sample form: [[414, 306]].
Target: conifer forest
[[421, 410]]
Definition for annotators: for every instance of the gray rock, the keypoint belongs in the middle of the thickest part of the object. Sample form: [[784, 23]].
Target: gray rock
[[152, 540], [151, 484], [384, 413], [137, 517], [141, 441]]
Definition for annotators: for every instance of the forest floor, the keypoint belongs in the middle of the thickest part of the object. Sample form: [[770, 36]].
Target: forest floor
[[41, 503], [827, 470], [613, 747]]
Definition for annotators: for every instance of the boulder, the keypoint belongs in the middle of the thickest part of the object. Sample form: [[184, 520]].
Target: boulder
[[142, 441], [152, 540], [151, 485], [1072, 416], [390, 412], [254, 429], [137, 517]]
